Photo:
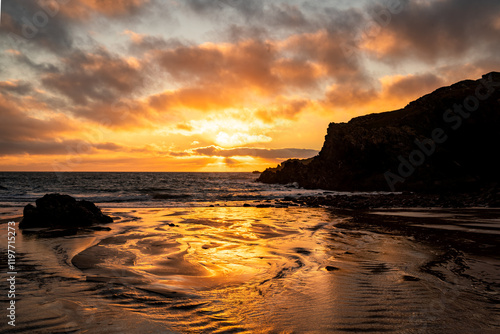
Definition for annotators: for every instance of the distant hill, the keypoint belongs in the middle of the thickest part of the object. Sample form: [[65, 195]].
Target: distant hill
[[446, 140]]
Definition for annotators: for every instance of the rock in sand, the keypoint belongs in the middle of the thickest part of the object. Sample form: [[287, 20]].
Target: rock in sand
[[62, 211]]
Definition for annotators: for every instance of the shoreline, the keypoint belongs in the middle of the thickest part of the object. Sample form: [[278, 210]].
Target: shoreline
[[487, 199], [475, 229]]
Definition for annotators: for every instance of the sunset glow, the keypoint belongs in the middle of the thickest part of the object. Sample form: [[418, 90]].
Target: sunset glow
[[145, 85]]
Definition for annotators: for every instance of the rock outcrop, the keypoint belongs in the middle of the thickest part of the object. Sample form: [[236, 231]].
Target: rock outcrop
[[446, 140], [62, 211]]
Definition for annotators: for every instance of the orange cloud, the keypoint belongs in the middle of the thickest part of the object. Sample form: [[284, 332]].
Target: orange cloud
[[283, 108], [82, 9], [19, 123]]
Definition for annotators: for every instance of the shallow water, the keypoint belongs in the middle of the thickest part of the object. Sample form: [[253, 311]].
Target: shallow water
[[247, 270]]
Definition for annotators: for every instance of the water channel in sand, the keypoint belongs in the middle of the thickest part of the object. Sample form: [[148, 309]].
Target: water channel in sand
[[246, 270]]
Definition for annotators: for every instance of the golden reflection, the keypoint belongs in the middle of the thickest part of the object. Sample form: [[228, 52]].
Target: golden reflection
[[253, 269]]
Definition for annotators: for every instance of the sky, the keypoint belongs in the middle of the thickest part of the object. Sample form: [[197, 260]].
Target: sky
[[218, 85]]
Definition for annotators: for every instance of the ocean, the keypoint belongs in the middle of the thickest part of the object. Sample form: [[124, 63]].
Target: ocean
[[144, 189]]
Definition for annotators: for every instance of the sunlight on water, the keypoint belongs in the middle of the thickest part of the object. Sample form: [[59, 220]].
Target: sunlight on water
[[236, 270]]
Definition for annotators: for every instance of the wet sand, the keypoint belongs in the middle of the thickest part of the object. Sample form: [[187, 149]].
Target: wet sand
[[283, 270]]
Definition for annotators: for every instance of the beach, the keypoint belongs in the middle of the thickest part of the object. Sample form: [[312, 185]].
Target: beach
[[283, 270]]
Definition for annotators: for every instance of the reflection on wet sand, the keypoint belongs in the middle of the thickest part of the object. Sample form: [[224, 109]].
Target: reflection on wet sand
[[249, 270]]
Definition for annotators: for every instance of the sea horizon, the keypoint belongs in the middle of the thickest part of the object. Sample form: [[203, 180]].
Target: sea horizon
[[150, 189]]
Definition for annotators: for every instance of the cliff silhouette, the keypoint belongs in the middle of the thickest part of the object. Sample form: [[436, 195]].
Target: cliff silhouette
[[444, 141]]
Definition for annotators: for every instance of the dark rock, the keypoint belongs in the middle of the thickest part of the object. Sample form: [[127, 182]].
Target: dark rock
[[357, 154], [62, 211], [301, 250], [99, 228], [246, 205], [264, 205], [331, 268], [494, 204], [3, 188]]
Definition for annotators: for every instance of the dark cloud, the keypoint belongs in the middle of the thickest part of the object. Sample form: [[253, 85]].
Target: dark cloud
[[39, 67], [248, 9], [54, 147], [27, 23], [179, 154], [430, 30], [124, 113], [17, 87], [287, 16], [286, 110], [50, 24], [342, 96], [231, 162], [16, 123], [239, 32], [283, 153], [141, 43], [327, 49], [112, 9], [108, 146], [99, 76], [21, 133], [415, 85]]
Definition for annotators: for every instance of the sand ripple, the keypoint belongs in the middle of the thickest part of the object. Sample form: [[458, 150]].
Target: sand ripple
[[255, 270]]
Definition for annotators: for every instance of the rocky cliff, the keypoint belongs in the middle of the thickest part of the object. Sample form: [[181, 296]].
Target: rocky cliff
[[446, 140]]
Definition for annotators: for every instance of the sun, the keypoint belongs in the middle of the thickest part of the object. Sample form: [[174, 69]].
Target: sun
[[229, 129], [233, 139]]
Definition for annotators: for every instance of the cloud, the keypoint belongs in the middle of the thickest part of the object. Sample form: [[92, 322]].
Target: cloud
[[17, 87], [26, 23], [393, 91], [218, 76], [344, 96], [411, 85], [231, 162], [38, 67], [50, 133], [247, 63], [72, 147], [52, 25], [283, 153], [258, 71], [21, 133], [17, 123], [429, 31], [247, 9], [123, 113], [203, 97], [142, 42], [284, 109], [85, 77], [116, 8]]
